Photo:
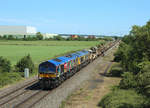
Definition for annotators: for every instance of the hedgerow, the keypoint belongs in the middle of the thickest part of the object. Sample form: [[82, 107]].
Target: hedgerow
[[123, 99], [134, 56]]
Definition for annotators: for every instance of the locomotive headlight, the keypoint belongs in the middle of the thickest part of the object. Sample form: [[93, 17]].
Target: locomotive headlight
[[39, 76]]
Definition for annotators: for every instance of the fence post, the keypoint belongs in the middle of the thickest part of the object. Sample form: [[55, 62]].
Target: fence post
[[26, 72]]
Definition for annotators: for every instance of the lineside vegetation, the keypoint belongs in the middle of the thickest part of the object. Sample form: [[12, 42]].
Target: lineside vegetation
[[133, 56]]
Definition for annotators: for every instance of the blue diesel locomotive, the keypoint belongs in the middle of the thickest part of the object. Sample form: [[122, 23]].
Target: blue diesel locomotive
[[53, 72]]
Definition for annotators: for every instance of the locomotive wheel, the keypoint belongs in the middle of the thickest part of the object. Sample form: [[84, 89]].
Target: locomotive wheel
[[56, 83], [67, 75], [42, 85], [72, 72], [75, 69], [61, 79]]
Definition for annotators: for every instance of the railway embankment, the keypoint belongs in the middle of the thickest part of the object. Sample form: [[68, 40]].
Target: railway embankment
[[90, 92]]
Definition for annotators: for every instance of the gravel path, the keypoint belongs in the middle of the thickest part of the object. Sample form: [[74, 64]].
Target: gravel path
[[54, 99]]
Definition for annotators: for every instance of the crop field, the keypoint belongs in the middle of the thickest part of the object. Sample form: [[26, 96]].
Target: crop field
[[40, 50]]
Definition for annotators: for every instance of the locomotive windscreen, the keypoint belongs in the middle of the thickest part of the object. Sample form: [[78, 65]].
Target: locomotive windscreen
[[47, 67]]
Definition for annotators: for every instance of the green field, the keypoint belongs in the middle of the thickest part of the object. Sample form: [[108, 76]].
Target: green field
[[40, 50]]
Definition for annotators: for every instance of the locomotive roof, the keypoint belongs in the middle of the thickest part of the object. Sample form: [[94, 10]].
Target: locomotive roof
[[85, 51], [64, 59], [61, 60], [76, 54], [56, 61], [70, 56]]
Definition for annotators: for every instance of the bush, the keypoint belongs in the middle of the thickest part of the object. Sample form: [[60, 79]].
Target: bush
[[123, 99], [5, 65], [116, 71], [143, 80], [117, 55], [128, 81], [25, 62], [8, 78]]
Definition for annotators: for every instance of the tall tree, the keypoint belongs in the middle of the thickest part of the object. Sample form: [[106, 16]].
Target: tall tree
[[39, 36]]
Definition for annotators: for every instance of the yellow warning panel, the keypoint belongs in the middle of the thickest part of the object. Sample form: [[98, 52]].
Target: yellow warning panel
[[47, 75]]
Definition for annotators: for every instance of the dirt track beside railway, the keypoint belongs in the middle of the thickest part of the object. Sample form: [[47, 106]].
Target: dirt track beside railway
[[55, 98], [91, 91]]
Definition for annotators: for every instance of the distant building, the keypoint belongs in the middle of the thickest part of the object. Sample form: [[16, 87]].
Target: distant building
[[63, 36], [85, 37], [18, 31], [48, 35], [97, 37], [91, 37], [74, 36]]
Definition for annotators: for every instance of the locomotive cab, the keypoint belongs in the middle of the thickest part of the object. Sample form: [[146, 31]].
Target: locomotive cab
[[47, 67], [49, 73], [47, 70]]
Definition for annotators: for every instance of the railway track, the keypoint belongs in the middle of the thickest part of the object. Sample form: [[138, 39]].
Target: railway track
[[6, 98], [32, 100]]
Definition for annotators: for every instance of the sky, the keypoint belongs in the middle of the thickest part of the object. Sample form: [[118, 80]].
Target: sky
[[99, 17]]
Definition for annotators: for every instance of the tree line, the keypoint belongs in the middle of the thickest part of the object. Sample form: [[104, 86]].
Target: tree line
[[133, 55], [39, 36]]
